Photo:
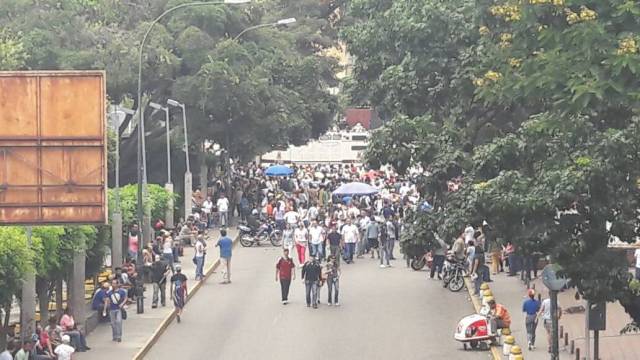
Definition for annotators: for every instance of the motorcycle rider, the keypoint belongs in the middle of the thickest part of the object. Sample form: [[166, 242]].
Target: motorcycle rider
[[252, 220]]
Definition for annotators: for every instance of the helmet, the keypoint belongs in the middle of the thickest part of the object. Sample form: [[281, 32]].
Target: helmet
[[254, 212]]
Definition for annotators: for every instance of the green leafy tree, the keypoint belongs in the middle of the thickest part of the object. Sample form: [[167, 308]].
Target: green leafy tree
[[15, 261]]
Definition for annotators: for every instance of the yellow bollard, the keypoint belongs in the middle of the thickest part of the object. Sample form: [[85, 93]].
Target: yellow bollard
[[515, 351], [484, 286], [509, 341]]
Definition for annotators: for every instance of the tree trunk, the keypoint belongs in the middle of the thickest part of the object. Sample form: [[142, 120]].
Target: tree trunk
[[59, 298], [42, 290]]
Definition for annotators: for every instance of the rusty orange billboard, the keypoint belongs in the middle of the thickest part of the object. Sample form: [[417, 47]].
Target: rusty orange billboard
[[53, 164]]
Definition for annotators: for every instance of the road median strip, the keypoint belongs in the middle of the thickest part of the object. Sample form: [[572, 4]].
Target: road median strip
[[169, 318]]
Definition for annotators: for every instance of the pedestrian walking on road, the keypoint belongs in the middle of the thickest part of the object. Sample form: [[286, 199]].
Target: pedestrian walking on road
[[332, 276], [372, 233], [316, 238], [198, 259], [159, 271], [287, 238], [225, 244], [115, 303], [311, 274], [223, 209], [545, 314], [179, 291], [531, 307], [301, 237], [350, 234], [386, 243], [335, 243], [285, 273], [438, 258]]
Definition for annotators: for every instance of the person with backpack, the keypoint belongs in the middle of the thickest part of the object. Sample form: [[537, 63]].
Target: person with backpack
[[179, 290], [285, 273], [115, 303]]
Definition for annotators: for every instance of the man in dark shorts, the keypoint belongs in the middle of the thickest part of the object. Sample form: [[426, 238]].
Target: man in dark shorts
[[371, 233], [285, 272], [179, 290]]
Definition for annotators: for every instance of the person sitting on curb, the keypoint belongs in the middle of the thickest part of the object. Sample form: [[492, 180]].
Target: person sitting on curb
[[500, 318]]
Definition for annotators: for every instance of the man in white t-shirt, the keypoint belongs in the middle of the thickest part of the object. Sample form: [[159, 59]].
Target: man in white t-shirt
[[350, 234], [64, 351], [199, 257], [292, 218], [637, 256], [545, 314], [316, 235], [207, 208], [468, 234], [223, 210]]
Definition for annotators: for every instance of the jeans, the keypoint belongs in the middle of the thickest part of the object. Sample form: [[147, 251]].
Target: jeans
[[316, 250], [199, 267], [481, 276], [362, 246], [169, 259], [159, 289], [638, 273], [333, 287], [349, 249], [116, 324], [385, 252], [531, 324], [224, 218], [284, 288], [78, 341], [392, 244], [311, 292], [438, 261]]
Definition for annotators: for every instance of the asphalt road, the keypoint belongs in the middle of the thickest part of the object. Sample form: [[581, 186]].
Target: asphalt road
[[391, 313]]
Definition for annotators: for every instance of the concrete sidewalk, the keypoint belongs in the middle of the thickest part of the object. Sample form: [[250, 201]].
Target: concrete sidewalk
[[139, 328], [511, 292]]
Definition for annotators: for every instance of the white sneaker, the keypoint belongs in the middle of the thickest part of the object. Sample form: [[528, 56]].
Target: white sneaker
[[337, 304], [382, 266], [330, 304]]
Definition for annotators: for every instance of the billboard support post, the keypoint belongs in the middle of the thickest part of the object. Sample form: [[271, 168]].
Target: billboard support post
[[28, 304]]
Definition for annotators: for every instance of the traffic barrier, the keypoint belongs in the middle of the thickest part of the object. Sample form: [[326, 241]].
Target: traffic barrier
[[515, 351], [509, 341]]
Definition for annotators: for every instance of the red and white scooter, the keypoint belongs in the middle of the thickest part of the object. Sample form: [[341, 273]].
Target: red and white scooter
[[475, 330]]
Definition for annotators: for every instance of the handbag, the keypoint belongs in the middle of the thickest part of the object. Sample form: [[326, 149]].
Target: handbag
[[124, 314]]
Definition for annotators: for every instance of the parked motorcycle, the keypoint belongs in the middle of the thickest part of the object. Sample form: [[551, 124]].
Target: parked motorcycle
[[418, 262], [254, 236], [453, 273]]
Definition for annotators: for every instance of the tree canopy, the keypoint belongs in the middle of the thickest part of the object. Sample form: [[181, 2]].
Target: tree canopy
[[269, 86], [531, 105]]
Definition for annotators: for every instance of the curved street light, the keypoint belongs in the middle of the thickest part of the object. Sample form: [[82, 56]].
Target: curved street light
[[142, 170], [283, 22]]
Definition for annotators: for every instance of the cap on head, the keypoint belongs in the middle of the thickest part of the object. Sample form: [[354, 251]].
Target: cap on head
[[178, 267], [66, 339], [531, 293]]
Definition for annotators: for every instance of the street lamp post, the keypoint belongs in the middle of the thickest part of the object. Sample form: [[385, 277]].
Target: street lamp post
[[169, 223], [140, 158], [188, 179], [282, 22], [117, 117]]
